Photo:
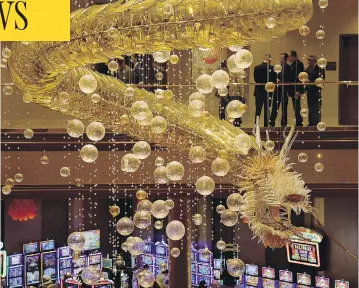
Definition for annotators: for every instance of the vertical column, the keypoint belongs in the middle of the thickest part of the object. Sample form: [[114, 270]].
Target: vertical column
[[205, 229], [318, 204], [77, 207]]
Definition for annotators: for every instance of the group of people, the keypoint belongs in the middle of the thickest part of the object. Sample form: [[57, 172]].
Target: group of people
[[291, 68]]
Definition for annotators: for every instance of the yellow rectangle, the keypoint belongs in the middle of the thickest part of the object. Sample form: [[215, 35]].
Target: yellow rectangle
[[35, 20]]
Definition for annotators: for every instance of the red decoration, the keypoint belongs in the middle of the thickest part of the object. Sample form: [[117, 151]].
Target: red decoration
[[22, 209], [245, 220]]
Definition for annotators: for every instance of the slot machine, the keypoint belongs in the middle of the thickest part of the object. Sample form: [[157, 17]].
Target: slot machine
[[48, 259], [204, 268], [15, 274], [107, 263], [32, 263], [78, 264], [161, 256], [341, 284], [64, 262], [285, 279], [217, 269], [95, 259], [147, 257], [321, 282], [251, 277], [194, 266], [303, 280], [268, 277]]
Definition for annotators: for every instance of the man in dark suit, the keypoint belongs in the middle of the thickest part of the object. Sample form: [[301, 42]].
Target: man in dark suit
[[137, 71], [281, 94], [263, 73], [314, 93], [296, 91]]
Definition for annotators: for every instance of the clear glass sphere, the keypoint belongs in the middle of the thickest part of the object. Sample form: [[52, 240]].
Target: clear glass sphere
[[160, 175], [95, 131], [205, 253], [205, 185], [303, 77], [125, 226], [197, 154], [243, 58], [231, 64], [174, 171], [223, 91], [159, 209], [196, 96], [168, 9], [64, 96], [10, 182], [175, 252], [229, 218], [65, 172], [44, 160], [302, 157], [221, 245], [113, 66], [223, 154], [304, 30], [124, 119], [75, 128], [205, 84], [130, 92], [319, 82], [235, 267], [6, 190], [235, 109], [91, 275], [124, 246], [277, 68], [144, 205], [323, 4], [242, 142], [270, 22], [76, 241], [234, 201], [141, 149], [269, 145], [136, 246], [159, 76], [158, 225], [304, 112], [28, 133], [88, 84], [175, 230], [321, 126], [322, 62], [19, 177], [146, 279], [319, 167], [3, 63], [235, 48], [242, 74], [6, 52], [141, 194], [27, 98], [161, 56], [220, 167], [269, 87], [95, 98], [159, 161], [158, 124], [139, 110], [320, 34], [142, 219], [169, 204], [220, 208], [114, 209], [220, 78], [89, 153], [168, 94], [130, 163], [197, 219], [174, 59]]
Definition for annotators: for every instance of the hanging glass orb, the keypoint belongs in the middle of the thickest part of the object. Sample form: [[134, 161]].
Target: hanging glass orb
[[147, 120], [145, 278], [319, 82], [158, 125], [114, 210], [196, 96], [65, 172], [124, 246], [27, 98], [304, 112], [220, 208], [320, 34], [242, 74], [160, 175], [220, 78], [302, 157], [197, 154], [175, 230], [321, 126], [10, 182], [304, 30], [64, 106], [75, 128], [229, 218], [231, 64], [174, 59], [89, 153], [159, 93], [141, 149], [270, 22], [158, 225], [28, 133], [204, 84], [220, 167], [319, 167], [130, 163], [161, 56], [141, 194], [124, 119], [205, 185], [76, 241], [303, 77], [113, 66], [90, 275], [174, 171], [169, 204], [159, 77], [269, 145], [168, 94], [223, 91], [242, 142], [125, 226], [167, 9], [6, 52], [136, 246], [243, 58], [205, 253], [234, 201], [88, 84], [223, 154], [277, 68], [221, 245], [139, 110], [19, 177], [323, 4], [142, 219], [44, 160], [95, 131], [269, 87], [159, 161], [197, 219], [95, 98], [64, 96], [144, 205], [78, 182], [322, 62], [6, 190], [159, 209], [235, 109], [175, 252], [130, 92], [235, 267], [3, 63], [235, 48]]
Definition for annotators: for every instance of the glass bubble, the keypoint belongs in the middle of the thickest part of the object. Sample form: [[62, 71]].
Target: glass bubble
[[304, 112], [169, 204], [320, 34], [270, 22], [160, 175], [269, 145], [221, 245], [10, 182], [242, 142], [222, 154], [231, 64], [319, 82], [236, 109], [235, 48], [175, 230], [223, 91], [159, 161], [95, 131], [142, 219], [235, 267], [88, 84], [139, 110], [159, 77], [141, 149], [304, 30], [197, 219], [323, 4], [234, 201], [175, 252], [28, 133], [129, 92], [269, 87], [44, 160], [64, 96], [7, 90], [141, 194], [161, 56], [19, 177], [147, 120], [220, 208], [168, 94], [303, 77], [205, 253], [91, 275], [95, 98], [124, 119], [114, 209], [319, 167], [322, 62], [220, 78], [65, 172], [196, 96], [321, 126], [197, 154], [243, 58], [3, 63], [76, 241], [159, 209], [64, 106], [167, 9], [136, 246], [158, 124], [75, 128], [6, 52], [205, 185], [113, 66], [242, 74], [159, 93], [125, 226], [302, 157], [158, 225], [174, 59], [6, 190], [277, 68], [27, 98], [229, 218], [89, 153], [204, 84], [220, 167], [174, 171], [144, 205], [145, 278], [124, 246], [130, 163]]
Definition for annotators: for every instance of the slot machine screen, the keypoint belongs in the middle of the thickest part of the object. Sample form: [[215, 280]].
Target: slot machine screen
[[107, 263], [251, 280], [252, 269], [285, 284], [204, 269], [286, 276], [148, 248], [268, 283], [92, 240], [64, 252], [321, 282], [304, 253], [65, 263], [80, 262], [217, 274], [15, 272], [206, 279], [160, 260], [49, 264], [94, 259], [193, 268], [304, 279], [16, 282], [64, 271], [32, 269], [341, 284], [15, 260], [217, 264], [31, 248], [47, 245], [203, 259], [268, 272], [147, 259], [160, 249], [193, 279]]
